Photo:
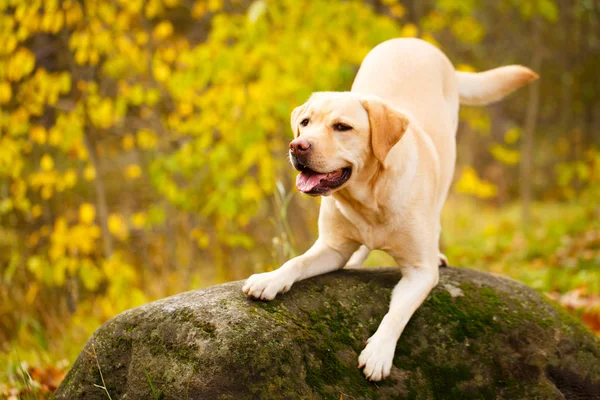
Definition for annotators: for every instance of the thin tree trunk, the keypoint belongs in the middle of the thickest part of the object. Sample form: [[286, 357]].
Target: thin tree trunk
[[101, 204], [90, 145], [566, 104], [533, 105]]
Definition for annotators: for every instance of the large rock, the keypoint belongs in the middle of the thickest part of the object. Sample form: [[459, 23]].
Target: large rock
[[477, 336]]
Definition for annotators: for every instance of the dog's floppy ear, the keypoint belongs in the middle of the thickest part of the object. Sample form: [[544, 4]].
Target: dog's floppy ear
[[387, 125], [294, 118]]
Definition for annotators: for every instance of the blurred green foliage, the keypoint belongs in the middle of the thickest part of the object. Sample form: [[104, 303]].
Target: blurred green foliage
[[143, 150]]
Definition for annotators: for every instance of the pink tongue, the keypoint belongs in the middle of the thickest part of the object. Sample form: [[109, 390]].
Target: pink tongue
[[307, 181]]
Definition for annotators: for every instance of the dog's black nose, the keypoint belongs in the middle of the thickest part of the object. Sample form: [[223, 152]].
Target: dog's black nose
[[299, 146]]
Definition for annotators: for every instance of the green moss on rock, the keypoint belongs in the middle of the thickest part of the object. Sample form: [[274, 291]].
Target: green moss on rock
[[477, 336]]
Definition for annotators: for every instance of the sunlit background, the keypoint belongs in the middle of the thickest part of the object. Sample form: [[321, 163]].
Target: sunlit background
[[143, 151]]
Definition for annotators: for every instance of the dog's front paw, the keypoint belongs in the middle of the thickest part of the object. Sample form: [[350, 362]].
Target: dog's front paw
[[377, 357], [265, 286]]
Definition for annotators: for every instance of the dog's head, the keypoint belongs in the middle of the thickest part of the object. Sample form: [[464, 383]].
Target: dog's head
[[337, 134]]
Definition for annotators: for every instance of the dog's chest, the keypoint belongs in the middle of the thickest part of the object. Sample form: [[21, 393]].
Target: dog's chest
[[373, 228]]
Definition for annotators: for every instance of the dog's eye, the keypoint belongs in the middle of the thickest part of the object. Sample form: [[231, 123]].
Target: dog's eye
[[304, 122], [341, 127]]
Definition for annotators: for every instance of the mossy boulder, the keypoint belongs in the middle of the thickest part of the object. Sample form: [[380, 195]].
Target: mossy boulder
[[477, 336]]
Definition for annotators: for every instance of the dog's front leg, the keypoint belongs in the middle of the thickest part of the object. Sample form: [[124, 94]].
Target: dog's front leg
[[407, 296], [320, 259]]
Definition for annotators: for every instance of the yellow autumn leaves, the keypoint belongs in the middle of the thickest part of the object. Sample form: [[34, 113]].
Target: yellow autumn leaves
[[470, 183], [47, 179], [163, 30], [504, 153], [18, 65], [116, 224], [87, 213], [47, 163], [133, 171], [5, 92]]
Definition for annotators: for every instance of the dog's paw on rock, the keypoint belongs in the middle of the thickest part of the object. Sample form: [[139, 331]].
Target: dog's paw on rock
[[377, 357], [267, 285]]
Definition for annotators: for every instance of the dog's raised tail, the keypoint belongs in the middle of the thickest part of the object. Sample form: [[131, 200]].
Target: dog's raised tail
[[487, 87]]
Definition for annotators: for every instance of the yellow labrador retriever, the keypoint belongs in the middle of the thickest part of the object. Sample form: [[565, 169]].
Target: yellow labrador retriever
[[383, 156]]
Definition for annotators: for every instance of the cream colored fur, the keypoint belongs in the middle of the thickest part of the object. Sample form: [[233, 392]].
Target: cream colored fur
[[403, 110]]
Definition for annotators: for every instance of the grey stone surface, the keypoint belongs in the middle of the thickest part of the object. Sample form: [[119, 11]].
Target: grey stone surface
[[477, 336]]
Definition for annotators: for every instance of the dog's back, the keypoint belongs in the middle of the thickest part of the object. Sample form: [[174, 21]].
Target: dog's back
[[415, 77], [418, 79]]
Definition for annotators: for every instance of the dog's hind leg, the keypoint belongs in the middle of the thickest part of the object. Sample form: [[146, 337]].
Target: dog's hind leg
[[443, 260], [358, 258]]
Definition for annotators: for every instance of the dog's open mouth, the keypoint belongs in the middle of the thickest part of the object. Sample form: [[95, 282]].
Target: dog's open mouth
[[318, 184]]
